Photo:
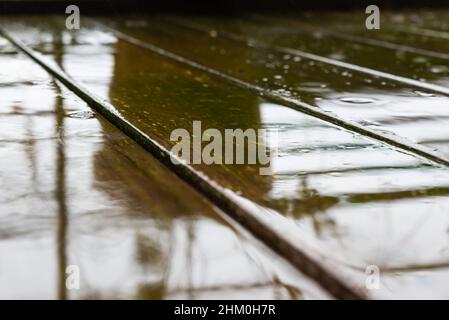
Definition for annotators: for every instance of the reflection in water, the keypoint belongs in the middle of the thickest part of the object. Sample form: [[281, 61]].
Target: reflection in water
[[61, 199], [279, 72], [60, 194], [136, 231], [185, 255], [360, 201]]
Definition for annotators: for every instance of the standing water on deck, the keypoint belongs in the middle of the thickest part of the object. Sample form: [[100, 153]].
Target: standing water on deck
[[357, 201], [80, 193]]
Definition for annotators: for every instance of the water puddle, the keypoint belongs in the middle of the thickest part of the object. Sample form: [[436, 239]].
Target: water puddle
[[267, 69], [357, 100], [358, 201], [86, 114], [81, 194]]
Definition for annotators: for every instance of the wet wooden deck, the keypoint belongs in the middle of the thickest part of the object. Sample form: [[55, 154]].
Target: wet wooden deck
[[360, 178]]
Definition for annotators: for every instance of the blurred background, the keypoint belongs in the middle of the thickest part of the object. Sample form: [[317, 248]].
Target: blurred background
[[203, 6]]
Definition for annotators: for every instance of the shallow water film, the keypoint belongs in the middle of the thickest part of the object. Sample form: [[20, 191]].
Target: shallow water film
[[353, 201]]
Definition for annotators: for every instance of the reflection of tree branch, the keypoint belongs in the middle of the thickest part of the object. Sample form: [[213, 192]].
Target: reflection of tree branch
[[253, 261], [22, 196], [406, 268], [396, 195], [293, 291], [357, 169], [28, 114], [24, 141], [62, 206], [311, 203], [189, 254], [60, 192], [30, 148]]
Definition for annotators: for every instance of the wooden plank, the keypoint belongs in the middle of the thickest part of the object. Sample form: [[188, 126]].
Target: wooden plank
[[251, 217]]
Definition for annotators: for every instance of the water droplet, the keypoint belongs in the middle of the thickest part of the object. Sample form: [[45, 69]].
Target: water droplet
[[213, 33], [252, 43], [86, 114], [297, 59], [423, 94], [313, 87], [356, 100], [439, 69], [283, 92], [335, 174], [337, 56], [278, 77], [420, 60], [318, 35], [369, 123]]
